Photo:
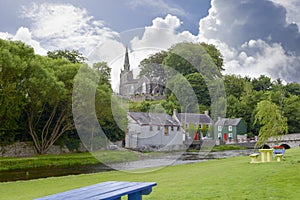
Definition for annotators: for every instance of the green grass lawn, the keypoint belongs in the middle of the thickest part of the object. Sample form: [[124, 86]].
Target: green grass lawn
[[66, 160], [231, 178]]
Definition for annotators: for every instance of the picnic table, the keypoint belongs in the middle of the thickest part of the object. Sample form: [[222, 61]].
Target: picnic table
[[266, 155], [111, 190]]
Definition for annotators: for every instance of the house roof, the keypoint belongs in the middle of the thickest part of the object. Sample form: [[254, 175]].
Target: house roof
[[145, 118], [194, 118], [228, 122]]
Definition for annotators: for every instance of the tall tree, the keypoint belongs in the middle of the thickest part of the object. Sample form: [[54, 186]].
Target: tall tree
[[71, 55], [14, 64], [272, 122], [152, 66], [103, 71], [263, 83], [291, 111], [48, 102]]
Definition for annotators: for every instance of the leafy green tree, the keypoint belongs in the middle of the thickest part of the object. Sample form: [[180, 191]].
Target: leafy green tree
[[15, 57], [291, 111], [48, 109], [103, 71], [152, 66], [198, 84], [71, 55], [215, 54], [184, 93], [272, 122], [234, 85], [263, 83], [293, 88], [187, 58]]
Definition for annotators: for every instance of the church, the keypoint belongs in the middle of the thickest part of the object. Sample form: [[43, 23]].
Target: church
[[144, 88]]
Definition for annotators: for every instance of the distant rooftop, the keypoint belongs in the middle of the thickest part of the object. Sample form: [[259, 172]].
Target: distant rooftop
[[228, 122], [145, 118]]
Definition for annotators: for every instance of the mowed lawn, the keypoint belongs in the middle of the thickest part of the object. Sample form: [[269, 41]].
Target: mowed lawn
[[232, 178]]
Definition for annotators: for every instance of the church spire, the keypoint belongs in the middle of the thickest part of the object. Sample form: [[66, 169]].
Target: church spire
[[126, 61]]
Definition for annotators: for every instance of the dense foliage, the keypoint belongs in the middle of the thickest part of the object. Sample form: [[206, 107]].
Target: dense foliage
[[193, 66], [36, 97]]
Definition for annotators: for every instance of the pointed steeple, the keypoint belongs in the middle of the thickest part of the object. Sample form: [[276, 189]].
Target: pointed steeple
[[126, 61]]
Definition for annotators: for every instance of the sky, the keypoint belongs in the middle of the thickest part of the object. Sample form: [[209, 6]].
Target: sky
[[254, 36]]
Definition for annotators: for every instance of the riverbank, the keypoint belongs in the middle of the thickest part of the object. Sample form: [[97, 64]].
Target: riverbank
[[73, 164], [231, 178], [66, 160]]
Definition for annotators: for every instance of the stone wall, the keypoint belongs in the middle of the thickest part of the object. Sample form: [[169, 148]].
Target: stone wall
[[25, 149]]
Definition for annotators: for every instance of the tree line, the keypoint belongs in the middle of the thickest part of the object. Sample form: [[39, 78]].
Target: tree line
[[36, 96], [199, 67]]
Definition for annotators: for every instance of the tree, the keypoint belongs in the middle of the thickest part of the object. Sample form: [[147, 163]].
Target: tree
[[234, 85], [186, 58], [215, 54], [291, 111], [263, 83], [49, 111], [103, 71], [15, 57], [71, 55], [293, 88], [199, 86], [152, 66], [271, 121]]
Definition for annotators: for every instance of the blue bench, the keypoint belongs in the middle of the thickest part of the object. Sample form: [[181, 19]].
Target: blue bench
[[111, 190]]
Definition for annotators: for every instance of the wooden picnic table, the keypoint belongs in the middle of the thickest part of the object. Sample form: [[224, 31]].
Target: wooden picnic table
[[111, 190]]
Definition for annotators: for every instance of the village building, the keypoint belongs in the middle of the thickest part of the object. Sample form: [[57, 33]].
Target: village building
[[153, 131], [139, 89], [195, 123], [229, 130]]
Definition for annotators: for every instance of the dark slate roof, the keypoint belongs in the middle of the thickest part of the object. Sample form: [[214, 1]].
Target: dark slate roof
[[228, 122], [144, 118], [194, 118]]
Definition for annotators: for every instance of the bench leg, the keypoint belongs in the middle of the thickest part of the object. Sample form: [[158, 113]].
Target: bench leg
[[135, 196]]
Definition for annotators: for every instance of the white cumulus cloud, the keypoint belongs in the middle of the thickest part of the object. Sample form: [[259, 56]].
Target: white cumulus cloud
[[64, 26], [254, 37]]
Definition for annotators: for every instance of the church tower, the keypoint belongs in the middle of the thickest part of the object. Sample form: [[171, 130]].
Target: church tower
[[127, 83], [126, 61]]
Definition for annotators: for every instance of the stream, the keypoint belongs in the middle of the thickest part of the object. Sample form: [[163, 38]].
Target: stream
[[157, 162]]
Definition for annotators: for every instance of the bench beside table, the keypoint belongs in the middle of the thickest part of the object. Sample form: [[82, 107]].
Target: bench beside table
[[111, 190]]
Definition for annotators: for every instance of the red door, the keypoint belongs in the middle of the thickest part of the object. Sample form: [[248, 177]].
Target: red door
[[225, 136]]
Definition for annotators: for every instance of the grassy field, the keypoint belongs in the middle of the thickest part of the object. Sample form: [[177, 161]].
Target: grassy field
[[66, 160], [232, 178]]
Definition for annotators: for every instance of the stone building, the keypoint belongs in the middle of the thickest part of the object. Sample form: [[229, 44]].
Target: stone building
[[146, 87]]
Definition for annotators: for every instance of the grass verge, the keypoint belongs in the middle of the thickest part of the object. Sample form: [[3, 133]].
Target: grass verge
[[232, 178], [66, 160]]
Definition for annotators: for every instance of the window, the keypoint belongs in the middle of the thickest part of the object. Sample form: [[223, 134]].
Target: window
[[178, 128], [166, 130], [219, 128], [220, 135], [151, 128], [229, 128], [186, 125], [200, 125], [172, 128], [158, 128], [230, 135]]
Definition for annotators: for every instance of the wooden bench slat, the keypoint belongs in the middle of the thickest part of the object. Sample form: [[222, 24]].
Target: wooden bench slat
[[106, 190], [77, 191], [143, 188], [102, 190]]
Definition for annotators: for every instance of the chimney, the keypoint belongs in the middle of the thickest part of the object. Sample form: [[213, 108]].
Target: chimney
[[174, 116], [206, 112], [174, 113]]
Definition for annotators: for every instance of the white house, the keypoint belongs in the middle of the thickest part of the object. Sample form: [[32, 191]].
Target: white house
[[153, 131]]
